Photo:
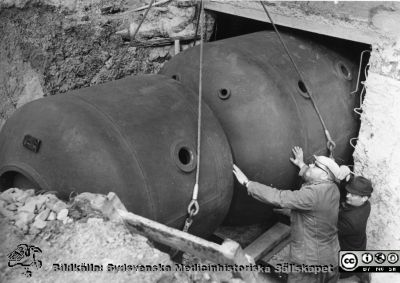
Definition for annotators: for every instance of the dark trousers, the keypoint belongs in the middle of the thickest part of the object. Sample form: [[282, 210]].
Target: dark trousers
[[322, 277]]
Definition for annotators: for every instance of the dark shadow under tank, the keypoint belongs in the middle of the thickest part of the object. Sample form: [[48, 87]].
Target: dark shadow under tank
[[136, 137], [254, 91]]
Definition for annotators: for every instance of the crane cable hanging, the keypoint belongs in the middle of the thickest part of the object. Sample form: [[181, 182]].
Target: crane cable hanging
[[193, 207], [330, 143], [197, 23], [132, 37]]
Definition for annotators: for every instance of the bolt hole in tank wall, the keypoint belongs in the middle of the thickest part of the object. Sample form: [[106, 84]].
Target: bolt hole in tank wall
[[237, 72]]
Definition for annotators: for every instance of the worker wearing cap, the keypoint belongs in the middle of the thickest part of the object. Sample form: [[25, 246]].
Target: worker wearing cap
[[353, 217], [314, 214]]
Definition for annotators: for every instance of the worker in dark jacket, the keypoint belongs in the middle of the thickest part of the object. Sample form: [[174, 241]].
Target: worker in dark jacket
[[353, 217], [314, 214]]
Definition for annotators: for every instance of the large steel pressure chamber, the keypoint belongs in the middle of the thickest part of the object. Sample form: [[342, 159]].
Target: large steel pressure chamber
[[253, 89], [136, 137]]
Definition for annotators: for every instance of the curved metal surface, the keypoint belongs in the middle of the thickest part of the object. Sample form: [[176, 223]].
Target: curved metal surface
[[136, 137], [254, 91]]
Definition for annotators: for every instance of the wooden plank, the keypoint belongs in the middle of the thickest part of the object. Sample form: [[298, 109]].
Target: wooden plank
[[360, 31], [229, 252], [268, 241], [177, 46], [275, 250], [181, 240]]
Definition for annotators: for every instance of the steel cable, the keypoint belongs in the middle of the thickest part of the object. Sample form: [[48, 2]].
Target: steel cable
[[197, 24], [330, 144], [193, 207], [132, 38]]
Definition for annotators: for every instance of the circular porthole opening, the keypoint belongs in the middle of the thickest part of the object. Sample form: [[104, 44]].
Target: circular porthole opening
[[343, 71], [224, 93], [302, 87], [184, 156]]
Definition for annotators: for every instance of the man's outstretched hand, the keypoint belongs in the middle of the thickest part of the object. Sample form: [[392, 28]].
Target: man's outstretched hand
[[298, 159], [240, 176]]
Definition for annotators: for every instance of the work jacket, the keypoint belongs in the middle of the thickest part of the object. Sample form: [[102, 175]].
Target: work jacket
[[352, 224], [314, 215]]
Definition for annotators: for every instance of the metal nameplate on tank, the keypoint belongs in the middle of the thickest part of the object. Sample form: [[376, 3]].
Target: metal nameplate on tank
[[31, 143]]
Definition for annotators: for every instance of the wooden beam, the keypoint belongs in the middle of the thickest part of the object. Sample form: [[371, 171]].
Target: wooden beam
[[359, 30], [229, 252], [181, 240], [266, 258], [268, 241], [177, 46]]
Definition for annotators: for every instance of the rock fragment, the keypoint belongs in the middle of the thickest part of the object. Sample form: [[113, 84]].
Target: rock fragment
[[24, 216], [96, 200], [26, 194], [95, 221], [44, 214], [63, 214], [52, 216], [11, 195], [39, 223], [56, 206], [29, 206], [6, 213], [12, 207]]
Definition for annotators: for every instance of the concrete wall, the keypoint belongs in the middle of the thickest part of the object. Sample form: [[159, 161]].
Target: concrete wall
[[361, 21], [377, 154]]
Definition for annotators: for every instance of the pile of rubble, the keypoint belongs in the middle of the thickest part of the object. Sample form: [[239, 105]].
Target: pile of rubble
[[31, 212], [84, 230]]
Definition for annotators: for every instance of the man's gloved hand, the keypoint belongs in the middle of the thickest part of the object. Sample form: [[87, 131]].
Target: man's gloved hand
[[240, 176], [298, 159], [344, 173]]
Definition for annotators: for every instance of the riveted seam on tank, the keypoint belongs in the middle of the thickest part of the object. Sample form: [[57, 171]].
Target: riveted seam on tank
[[131, 150], [194, 112], [219, 174]]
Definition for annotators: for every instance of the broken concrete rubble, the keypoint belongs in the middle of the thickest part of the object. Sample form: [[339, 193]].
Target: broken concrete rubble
[[56, 205], [44, 214], [28, 210], [82, 233], [15, 195], [96, 200]]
